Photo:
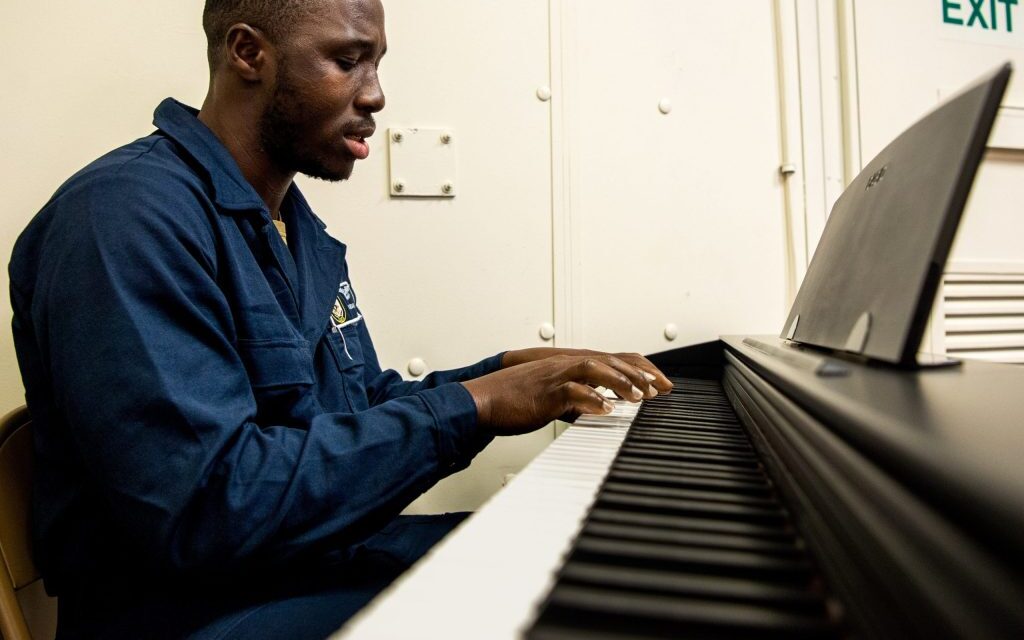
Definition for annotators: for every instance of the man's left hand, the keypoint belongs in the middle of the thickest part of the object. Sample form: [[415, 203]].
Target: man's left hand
[[658, 382]]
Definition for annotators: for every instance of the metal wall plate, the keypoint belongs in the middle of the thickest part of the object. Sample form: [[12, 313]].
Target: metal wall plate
[[421, 162]]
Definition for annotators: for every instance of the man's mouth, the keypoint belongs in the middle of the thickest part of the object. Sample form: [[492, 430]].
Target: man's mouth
[[355, 140], [357, 146]]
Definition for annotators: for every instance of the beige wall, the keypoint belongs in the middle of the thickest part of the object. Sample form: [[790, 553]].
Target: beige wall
[[909, 59], [80, 78]]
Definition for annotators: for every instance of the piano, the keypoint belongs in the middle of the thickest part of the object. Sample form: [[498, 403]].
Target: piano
[[824, 483], [776, 492]]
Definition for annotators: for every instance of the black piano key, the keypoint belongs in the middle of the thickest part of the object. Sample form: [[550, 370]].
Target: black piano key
[[694, 414], [670, 421], [719, 496], [635, 443], [682, 416], [695, 585], [703, 403], [677, 523], [691, 429], [552, 632], [691, 538], [683, 479], [704, 469], [692, 559], [692, 434], [663, 616], [710, 395], [740, 474], [691, 391], [675, 506], [697, 443], [689, 415], [667, 453], [683, 443], [691, 409]]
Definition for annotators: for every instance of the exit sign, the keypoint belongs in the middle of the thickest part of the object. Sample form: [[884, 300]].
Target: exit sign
[[986, 15]]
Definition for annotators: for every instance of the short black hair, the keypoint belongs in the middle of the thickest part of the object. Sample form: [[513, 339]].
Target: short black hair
[[274, 18]]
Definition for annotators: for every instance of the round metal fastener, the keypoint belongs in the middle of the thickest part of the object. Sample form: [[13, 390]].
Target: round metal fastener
[[547, 331], [417, 367], [671, 331]]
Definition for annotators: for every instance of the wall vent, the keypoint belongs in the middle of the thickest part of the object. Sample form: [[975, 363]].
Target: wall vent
[[983, 313]]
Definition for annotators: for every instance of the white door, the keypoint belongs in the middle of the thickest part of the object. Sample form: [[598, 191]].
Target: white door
[[677, 208]]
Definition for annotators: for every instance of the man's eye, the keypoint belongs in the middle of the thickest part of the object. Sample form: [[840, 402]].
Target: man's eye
[[346, 64]]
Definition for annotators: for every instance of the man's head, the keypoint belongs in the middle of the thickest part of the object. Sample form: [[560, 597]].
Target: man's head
[[311, 65]]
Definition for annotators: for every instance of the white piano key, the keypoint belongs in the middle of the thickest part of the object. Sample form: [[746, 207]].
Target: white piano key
[[487, 578]]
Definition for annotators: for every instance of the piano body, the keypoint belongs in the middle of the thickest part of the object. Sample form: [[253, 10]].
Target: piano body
[[777, 492], [824, 483]]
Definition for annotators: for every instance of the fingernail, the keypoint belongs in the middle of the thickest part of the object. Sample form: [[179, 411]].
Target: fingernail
[[608, 407], [651, 391], [637, 394], [650, 376]]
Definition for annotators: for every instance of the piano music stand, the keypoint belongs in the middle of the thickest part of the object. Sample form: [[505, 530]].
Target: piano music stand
[[870, 287]]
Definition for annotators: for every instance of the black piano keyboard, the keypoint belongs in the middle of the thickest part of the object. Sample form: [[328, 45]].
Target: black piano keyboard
[[687, 538]]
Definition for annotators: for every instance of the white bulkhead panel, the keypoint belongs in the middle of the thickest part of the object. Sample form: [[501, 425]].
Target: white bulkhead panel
[[911, 55], [677, 196]]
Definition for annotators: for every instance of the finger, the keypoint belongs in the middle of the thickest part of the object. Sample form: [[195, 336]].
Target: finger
[[632, 365], [657, 379], [582, 399], [635, 374], [608, 393], [593, 371], [651, 373]]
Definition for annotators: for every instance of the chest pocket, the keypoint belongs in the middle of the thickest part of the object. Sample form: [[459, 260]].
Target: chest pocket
[[276, 362], [280, 373]]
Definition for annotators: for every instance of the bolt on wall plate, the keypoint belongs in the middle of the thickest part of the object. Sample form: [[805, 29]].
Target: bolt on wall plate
[[421, 162]]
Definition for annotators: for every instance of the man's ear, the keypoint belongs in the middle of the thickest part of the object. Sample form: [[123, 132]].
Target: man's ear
[[247, 52]]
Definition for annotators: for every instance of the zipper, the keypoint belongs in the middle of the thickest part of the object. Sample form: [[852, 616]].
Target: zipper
[[275, 244]]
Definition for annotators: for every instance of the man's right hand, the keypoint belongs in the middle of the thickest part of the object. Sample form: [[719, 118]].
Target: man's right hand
[[528, 396]]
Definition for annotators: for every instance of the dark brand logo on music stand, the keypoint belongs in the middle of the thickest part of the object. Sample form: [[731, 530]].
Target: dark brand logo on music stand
[[876, 177]]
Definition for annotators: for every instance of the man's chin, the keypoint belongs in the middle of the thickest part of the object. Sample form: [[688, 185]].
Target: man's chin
[[326, 177], [321, 171]]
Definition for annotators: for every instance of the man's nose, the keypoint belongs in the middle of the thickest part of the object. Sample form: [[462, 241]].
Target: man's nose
[[370, 97]]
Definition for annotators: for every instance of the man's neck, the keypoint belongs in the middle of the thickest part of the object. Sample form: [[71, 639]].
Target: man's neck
[[236, 130]]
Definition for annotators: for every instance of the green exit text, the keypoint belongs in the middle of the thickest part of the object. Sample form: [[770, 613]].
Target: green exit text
[[992, 15]]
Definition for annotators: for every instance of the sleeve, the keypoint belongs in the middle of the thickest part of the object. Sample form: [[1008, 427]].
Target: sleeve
[[382, 386], [143, 368]]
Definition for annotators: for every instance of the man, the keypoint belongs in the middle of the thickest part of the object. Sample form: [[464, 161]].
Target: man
[[219, 454]]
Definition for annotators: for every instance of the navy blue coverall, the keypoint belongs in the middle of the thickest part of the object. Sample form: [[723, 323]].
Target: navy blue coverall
[[211, 421]]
